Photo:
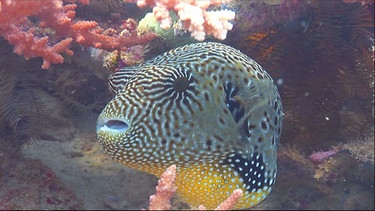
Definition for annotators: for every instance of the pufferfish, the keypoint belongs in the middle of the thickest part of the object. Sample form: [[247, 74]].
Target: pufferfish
[[208, 109]]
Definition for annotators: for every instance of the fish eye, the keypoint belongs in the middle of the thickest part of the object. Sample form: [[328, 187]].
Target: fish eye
[[181, 84]]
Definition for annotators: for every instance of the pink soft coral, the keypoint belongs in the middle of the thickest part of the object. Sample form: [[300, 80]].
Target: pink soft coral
[[166, 189]]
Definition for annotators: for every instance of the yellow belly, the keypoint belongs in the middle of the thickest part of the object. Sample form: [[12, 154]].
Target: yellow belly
[[207, 185]]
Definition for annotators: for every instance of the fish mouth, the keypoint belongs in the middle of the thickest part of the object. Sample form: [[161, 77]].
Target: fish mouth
[[112, 125]]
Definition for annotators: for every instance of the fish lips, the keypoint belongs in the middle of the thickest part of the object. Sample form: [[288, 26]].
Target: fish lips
[[112, 125]]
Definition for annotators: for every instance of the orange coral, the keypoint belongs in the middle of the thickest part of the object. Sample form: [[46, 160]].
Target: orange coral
[[14, 18]]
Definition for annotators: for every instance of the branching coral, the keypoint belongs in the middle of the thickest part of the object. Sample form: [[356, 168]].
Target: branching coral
[[17, 27], [194, 16]]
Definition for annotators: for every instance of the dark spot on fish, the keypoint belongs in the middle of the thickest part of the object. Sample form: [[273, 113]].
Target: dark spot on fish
[[166, 125], [152, 130], [243, 128], [251, 127], [276, 120], [209, 144], [260, 76], [275, 106], [200, 106], [232, 103], [181, 84], [264, 125], [206, 97], [218, 138]]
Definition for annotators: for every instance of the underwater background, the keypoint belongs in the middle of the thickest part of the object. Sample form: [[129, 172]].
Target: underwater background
[[320, 53]]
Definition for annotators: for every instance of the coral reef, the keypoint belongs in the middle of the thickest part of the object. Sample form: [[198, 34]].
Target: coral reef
[[120, 58], [164, 190], [81, 82], [363, 2], [320, 53], [21, 101], [362, 149], [322, 155], [33, 184], [18, 28], [330, 170], [26, 93], [193, 15], [321, 57], [254, 16]]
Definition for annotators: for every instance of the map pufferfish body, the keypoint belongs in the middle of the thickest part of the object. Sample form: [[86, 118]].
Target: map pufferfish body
[[207, 108]]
